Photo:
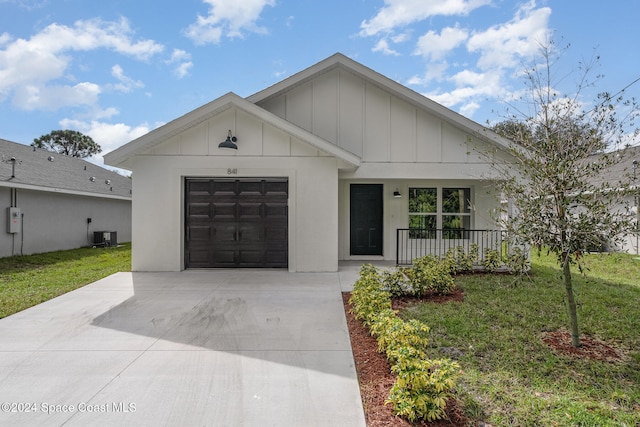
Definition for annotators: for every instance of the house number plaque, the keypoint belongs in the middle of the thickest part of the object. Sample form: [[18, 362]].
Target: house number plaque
[[233, 171]]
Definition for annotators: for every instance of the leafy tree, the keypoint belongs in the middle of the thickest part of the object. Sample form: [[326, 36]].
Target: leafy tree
[[68, 142], [558, 182]]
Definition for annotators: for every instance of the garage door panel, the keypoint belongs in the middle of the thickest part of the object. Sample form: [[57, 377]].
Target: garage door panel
[[196, 233], [276, 257], [224, 233], [223, 258], [199, 258], [223, 210], [275, 210], [247, 220], [250, 211], [199, 209]]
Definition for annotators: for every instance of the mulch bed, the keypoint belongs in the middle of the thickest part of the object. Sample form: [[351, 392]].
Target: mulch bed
[[376, 379], [590, 348]]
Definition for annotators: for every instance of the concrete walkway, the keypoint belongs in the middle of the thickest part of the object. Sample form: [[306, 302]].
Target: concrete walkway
[[195, 348]]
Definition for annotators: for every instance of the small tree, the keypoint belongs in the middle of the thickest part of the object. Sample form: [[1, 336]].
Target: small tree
[[556, 183], [68, 142]]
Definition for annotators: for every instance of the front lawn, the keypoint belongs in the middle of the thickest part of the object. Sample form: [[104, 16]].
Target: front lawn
[[31, 279], [511, 378]]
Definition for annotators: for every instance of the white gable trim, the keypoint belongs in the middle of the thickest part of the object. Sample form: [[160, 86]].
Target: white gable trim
[[146, 142]]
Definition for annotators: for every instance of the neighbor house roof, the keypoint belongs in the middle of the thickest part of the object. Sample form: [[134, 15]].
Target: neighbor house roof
[[339, 60], [42, 170], [230, 100], [623, 170]]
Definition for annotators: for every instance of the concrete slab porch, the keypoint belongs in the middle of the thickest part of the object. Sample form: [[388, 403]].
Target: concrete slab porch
[[206, 348]]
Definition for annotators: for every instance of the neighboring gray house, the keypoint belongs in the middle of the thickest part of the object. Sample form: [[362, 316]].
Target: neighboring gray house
[[333, 163], [54, 202], [628, 167]]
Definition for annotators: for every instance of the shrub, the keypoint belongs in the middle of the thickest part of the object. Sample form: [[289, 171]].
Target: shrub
[[459, 261], [518, 262], [491, 260], [368, 298], [397, 283], [431, 274], [422, 386]]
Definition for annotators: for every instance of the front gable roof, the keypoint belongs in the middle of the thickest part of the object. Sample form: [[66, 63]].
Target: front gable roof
[[146, 142], [339, 60]]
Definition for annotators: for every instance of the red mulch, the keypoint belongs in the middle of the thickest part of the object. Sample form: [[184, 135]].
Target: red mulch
[[590, 348], [376, 379]]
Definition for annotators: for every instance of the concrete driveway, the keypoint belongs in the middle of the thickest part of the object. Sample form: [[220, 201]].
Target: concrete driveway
[[195, 348]]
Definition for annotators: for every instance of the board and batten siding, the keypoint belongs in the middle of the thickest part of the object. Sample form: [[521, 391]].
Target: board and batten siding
[[370, 122]]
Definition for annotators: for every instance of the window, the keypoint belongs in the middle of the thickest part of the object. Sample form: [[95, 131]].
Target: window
[[434, 208]]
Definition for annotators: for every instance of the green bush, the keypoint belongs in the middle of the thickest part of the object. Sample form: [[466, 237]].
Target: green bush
[[368, 297], [432, 275], [518, 261], [397, 283], [422, 386], [460, 261], [491, 260]]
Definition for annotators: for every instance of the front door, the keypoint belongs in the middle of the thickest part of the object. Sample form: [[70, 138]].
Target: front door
[[236, 222], [366, 219]]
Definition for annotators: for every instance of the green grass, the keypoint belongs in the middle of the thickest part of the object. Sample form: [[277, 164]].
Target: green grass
[[31, 279], [511, 378]]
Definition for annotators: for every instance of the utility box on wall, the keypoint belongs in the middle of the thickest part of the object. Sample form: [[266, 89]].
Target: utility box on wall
[[14, 220]]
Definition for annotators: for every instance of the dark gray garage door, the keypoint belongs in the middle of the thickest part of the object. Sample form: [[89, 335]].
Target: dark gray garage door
[[236, 222]]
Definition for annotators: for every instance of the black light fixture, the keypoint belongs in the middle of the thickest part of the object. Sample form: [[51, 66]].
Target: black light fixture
[[229, 142], [397, 194]]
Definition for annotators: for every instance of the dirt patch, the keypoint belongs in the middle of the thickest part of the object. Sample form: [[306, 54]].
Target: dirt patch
[[591, 348]]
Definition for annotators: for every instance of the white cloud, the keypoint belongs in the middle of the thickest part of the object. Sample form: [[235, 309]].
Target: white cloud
[[506, 44], [383, 46], [399, 13], [435, 71], [183, 59], [34, 97], [469, 87], [435, 46], [127, 84], [493, 57], [469, 108], [108, 135], [230, 18], [28, 67]]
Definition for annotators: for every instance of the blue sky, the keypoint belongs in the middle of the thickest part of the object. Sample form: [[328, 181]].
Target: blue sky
[[117, 69]]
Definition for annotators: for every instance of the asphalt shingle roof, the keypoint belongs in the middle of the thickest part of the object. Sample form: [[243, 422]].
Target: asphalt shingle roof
[[56, 172]]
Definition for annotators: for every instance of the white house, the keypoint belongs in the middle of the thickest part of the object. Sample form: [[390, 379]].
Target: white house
[[327, 165], [55, 202]]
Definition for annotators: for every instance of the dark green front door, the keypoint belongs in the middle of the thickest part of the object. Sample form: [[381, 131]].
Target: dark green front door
[[366, 219]]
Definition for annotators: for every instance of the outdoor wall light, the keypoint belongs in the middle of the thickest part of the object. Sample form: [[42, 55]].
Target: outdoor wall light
[[397, 194], [229, 142]]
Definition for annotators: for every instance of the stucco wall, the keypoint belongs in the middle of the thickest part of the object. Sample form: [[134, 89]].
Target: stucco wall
[[56, 221], [158, 207]]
